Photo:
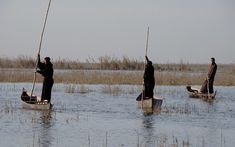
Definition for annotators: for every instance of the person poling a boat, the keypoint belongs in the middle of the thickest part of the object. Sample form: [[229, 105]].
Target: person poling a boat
[[46, 70], [149, 80], [210, 78]]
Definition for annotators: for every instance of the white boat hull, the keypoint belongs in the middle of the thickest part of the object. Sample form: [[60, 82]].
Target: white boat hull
[[195, 93], [37, 106], [34, 102]]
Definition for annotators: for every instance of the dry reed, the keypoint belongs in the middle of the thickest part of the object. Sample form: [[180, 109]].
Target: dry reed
[[116, 77], [20, 69], [72, 88], [112, 89]]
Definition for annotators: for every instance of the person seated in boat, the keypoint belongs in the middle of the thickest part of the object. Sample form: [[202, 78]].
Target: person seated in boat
[[46, 70], [210, 78], [149, 80]]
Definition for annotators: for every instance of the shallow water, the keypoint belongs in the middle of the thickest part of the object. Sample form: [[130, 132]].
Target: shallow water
[[107, 116]]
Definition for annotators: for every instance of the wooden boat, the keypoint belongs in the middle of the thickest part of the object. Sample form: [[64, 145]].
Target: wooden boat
[[149, 103], [194, 92], [34, 102], [30, 101]]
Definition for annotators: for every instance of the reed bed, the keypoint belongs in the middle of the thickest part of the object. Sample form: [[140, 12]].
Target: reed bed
[[108, 63], [111, 70], [112, 89], [103, 62], [98, 77], [116, 77], [74, 88]]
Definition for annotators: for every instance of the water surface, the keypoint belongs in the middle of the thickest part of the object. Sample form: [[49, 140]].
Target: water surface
[[107, 116]]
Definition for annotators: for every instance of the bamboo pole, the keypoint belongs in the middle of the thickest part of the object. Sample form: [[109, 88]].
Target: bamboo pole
[[39, 49], [146, 51]]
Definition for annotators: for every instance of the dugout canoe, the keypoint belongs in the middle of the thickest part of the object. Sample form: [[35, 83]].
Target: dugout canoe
[[148, 103], [34, 102], [194, 92]]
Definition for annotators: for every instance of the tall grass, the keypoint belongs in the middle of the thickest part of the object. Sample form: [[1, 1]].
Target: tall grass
[[103, 62], [18, 62], [107, 62], [115, 77], [73, 88], [112, 89], [98, 77], [110, 70]]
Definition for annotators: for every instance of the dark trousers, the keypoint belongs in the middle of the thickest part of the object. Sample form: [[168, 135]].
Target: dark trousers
[[205, 86], [149, 86], [46, 89]]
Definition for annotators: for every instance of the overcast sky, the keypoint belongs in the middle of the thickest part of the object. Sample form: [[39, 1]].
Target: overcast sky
[[180, 30]]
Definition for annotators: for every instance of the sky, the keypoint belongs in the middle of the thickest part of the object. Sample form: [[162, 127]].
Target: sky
[[190, 31]]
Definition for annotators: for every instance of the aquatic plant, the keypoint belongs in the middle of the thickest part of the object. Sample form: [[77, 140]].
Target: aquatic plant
[[112, 89], [74, 88]]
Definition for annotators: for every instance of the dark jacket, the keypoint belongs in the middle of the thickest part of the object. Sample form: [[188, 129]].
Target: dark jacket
[[212, 71], [149, 71], [46, 70]]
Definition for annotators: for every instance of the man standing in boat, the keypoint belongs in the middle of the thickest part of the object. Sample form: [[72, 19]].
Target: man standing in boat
[[149, 80], [210, 78], [46, 70]]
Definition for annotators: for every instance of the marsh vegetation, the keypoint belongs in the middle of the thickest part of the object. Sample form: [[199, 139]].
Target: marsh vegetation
[[107, 70]]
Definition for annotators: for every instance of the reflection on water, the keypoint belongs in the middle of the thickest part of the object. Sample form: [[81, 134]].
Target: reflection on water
[[46, 126], [148, 129]]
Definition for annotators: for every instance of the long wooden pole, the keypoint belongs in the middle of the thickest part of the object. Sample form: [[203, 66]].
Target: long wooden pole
[[39, 49], [146, 51], [208, 89], [147, 43]]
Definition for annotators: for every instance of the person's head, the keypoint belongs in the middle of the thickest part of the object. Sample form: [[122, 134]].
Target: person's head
[[212, 60], [47, 59]]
